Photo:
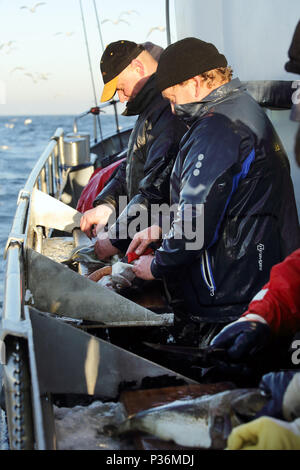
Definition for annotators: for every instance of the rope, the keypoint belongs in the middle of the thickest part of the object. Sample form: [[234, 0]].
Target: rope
[[90, 64], [168, 29], [99, 27]]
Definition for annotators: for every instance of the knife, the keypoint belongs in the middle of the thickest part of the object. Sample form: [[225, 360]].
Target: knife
[[204, 357]]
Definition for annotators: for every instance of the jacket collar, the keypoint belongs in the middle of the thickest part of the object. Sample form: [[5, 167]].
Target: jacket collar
[[192, 111], [144, 97]]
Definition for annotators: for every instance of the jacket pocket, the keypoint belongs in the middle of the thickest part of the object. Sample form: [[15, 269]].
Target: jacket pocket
[[207, 273]]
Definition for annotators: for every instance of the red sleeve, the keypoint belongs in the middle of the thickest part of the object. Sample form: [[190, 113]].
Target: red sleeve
[[96, 183], [279, 301]]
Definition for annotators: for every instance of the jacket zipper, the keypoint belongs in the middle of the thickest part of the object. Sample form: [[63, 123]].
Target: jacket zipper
[[207, 273]]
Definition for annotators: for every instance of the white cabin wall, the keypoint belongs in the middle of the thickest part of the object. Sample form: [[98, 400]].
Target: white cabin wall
[[255, 36]]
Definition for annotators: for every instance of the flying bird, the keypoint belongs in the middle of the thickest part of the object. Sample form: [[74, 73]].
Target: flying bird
[[68, 33], [34, 7], [44, 76], [159, 28], [7, 46], [36, 76], [16, 69], [119, 20], [28, 74], [129, 12]]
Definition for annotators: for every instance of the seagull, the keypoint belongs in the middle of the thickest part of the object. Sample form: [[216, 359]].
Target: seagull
[[28, 74], [68, 33], [44, 76], [119, 20], [129, 12], [16, 69], [7, 46], [34, 7], [159, 28]]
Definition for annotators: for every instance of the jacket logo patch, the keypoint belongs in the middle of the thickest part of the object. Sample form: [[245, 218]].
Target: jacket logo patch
[[260, 248]]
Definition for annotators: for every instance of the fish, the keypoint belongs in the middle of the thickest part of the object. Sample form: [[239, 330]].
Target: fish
[[86, 254], [204, 422]]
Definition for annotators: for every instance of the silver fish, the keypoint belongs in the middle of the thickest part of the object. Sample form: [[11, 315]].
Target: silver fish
[[84, 254], [203, 422]]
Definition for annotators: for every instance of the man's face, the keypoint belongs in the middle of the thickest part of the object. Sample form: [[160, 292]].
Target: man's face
[[180, 94], [127, 82]]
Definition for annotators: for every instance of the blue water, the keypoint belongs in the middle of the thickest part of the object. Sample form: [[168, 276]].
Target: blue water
[[21, 144]]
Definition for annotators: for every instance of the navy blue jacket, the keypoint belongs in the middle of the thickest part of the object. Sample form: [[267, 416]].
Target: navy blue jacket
[[152, 149], [232, 162]]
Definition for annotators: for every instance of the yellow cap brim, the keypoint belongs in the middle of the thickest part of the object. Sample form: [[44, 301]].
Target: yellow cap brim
[[109, 90]]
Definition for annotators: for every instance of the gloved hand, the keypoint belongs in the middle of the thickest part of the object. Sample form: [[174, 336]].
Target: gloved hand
[[242, 339], [265, 434], [274, 384]]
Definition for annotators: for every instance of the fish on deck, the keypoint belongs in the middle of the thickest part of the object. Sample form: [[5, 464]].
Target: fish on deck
[[204, 422]]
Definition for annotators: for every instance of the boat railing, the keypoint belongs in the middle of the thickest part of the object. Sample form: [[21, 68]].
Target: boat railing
[[96, 112], [47, 176]]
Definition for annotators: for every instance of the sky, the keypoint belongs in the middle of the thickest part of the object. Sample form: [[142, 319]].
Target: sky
[[44, 67]]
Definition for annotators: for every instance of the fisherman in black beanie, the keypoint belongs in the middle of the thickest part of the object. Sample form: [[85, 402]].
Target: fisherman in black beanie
[[230, 182], [293, 66]]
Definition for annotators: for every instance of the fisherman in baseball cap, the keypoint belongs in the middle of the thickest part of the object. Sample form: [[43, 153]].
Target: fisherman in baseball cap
[[116, 57], [128, 69]]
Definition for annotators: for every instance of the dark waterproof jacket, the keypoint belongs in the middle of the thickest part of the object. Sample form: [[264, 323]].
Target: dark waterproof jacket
[[231, 161], [152, 149]]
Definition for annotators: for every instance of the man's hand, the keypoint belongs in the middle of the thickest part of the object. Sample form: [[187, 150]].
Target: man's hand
[[142, 239], [103, 247], [97, 216], [242, 338], [265, 434], [142, 268], [274, 385]]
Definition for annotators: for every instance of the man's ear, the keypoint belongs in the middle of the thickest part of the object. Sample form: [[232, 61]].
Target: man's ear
[[137, 65], [198, 85]]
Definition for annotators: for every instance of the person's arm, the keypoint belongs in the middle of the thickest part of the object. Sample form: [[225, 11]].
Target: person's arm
[[207, 179], [274, 310], [106, 203], [160, 151], [278, 302]]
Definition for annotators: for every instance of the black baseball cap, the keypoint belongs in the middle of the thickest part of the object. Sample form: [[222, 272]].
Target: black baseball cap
[[186, 59], [116, 57]]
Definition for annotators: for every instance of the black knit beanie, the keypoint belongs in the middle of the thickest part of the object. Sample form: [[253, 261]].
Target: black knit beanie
[[293, 65], [185, 59]]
